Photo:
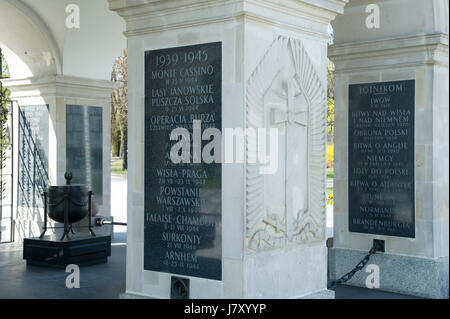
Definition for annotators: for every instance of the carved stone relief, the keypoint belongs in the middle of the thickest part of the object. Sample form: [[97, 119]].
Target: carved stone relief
[[288, 206]]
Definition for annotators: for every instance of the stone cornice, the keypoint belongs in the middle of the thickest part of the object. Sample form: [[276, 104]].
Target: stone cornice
[[148, 16], [60, 86], [431, 49]]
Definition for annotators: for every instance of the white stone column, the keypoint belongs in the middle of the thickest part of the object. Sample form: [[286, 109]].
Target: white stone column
[[57, 92], [411, 44], [262, 41]]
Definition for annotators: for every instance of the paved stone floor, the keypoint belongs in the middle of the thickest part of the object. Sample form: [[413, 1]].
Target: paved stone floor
[[106, 281], [348, 292], [17, 280]]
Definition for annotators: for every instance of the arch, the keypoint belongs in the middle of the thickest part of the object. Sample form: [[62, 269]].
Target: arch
[[27, 42]]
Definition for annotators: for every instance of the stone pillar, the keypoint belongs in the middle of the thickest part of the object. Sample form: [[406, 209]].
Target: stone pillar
[[274, 58], [411, 44], [43, 103]]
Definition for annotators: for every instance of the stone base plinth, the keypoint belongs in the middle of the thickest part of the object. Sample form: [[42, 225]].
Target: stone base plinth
[[408, 275], [324, 294], [130, 295], [80, 249]]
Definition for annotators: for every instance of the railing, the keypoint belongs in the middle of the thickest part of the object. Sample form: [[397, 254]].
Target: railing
[[6, 169], [33, 173], [32, 176]]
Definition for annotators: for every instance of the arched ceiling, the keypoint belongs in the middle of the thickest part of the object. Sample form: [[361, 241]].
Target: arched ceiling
[[36, 41], [26, 43]]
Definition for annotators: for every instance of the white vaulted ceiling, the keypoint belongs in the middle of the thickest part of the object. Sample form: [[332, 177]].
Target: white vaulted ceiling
[[25, 41], [36, 41]]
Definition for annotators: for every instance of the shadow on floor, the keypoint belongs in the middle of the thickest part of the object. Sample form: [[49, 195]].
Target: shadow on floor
[[105, 281], [351, 292]]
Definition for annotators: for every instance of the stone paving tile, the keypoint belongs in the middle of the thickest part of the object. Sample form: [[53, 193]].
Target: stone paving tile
[[103, 281], [107, 280], [351, 292], [96, 282]]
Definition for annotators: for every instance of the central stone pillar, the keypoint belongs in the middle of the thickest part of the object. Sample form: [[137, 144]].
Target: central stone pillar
[[245, 230]]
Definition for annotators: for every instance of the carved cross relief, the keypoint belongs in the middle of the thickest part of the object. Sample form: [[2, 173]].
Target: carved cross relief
[[285, 92], [286, 108]]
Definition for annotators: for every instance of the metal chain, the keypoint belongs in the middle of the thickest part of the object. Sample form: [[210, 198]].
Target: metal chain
[[76, 203], [358, 267]]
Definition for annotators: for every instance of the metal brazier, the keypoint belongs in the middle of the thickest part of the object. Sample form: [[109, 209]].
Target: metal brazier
[[78, 202], [67, 204]]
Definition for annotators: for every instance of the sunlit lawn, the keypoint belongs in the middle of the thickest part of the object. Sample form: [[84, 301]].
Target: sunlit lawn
[[330, 173], [330, 191], [116, 166]]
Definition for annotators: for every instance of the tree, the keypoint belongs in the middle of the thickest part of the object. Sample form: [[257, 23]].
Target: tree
[[330, 103], [330, 91], [4, 99], [4, 70], [119, 108]]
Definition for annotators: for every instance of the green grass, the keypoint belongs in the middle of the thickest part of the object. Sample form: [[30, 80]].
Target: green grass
[[330, 196], [330, 191], [330, 173], [116, 167]]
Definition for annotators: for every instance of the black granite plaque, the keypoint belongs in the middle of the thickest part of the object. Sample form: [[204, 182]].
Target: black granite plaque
[[381, 158], [182, 202], [84, 147], [33, 157]]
